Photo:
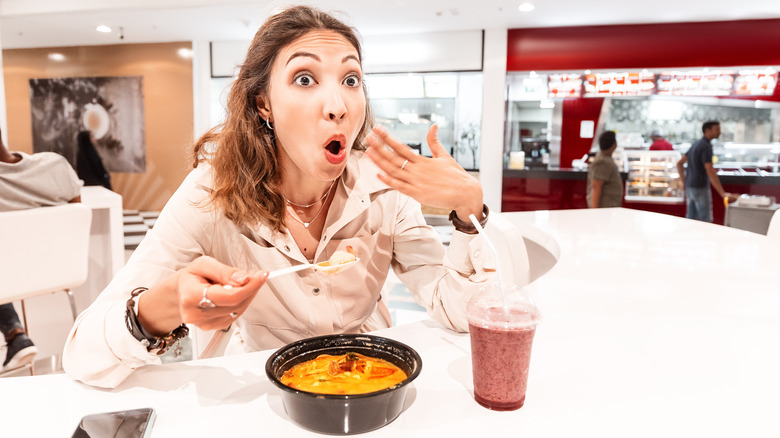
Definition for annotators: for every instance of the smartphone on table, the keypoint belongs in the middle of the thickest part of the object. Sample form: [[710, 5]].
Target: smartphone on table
[[133, 423]]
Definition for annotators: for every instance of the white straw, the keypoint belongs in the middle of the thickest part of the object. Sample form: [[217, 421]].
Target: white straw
[[495, 257]]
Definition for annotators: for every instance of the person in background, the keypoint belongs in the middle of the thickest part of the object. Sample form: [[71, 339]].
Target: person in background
[[293, 176], [89, 165], [30, 181], [701, 174], [605, 187], [659, 142]]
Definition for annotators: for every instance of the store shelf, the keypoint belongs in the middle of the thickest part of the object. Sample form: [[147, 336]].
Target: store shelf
[[653, 177]]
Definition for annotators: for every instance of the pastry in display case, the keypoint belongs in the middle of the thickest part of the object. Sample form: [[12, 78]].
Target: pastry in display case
[[653, 177]]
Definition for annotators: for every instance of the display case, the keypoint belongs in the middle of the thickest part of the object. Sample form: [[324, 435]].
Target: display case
[[747, 158], [653, 177]]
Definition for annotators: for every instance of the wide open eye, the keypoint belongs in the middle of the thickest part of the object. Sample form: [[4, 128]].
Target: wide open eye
[[304, 80], [352, 81]]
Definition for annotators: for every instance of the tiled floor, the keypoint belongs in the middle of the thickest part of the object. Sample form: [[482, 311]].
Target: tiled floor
[[50, 319]]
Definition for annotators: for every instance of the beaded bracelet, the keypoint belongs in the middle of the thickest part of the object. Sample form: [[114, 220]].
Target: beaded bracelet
[[156, 344], [468, 227]]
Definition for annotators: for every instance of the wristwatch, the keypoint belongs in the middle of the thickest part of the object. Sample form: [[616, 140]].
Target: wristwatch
[[468, 227]]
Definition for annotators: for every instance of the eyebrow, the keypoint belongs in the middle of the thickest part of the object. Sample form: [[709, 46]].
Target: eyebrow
[[307, 54], [317, 58]]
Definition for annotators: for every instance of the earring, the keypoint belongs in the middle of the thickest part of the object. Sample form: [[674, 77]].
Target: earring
[[268, 124]]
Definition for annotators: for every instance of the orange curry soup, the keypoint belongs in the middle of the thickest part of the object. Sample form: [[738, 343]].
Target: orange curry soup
[[350, 373]]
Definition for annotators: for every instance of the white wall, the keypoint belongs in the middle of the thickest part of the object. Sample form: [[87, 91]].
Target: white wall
[[201, 81], [491, 172], [428, 52], [3, 121]]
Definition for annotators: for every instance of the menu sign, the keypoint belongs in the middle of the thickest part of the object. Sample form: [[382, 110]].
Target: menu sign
[[619, 84], [564, 85], [755, 82], [696, 83]]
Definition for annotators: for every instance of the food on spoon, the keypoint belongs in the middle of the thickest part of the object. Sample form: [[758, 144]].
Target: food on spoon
[[340, 257], [350, 373]]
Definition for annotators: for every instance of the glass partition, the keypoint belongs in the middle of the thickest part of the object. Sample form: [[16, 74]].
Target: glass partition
[[407, 104]]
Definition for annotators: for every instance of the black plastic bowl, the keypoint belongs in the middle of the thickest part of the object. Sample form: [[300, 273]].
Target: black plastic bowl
[[343, 414]]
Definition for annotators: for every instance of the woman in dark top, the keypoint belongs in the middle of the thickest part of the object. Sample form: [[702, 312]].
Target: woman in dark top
[[89, 166]]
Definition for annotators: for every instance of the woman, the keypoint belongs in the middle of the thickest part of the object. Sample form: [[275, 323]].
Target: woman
[[288, 182], [88, 163]]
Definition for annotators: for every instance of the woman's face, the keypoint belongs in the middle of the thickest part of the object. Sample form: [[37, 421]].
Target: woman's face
[[316, 104]]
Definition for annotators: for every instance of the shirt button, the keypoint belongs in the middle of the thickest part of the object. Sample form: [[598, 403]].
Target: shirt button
[[316, 290], [287, 248], [324, 238], [476, 254]]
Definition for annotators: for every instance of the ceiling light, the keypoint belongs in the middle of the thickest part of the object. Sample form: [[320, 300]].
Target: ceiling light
[[103, 28], [526, 7], [185, 53], [56, 56]]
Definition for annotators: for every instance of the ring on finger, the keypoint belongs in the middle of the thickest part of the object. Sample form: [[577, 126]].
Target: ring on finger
[[205, 302], [404, 165]]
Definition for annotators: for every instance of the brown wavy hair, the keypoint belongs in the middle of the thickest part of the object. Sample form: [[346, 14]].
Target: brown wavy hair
[[245, 160]]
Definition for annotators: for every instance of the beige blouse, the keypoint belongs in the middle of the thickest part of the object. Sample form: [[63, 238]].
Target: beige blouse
[[385, 227]]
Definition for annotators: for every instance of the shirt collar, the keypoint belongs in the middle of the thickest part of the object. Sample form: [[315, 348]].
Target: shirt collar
[[357, 185]]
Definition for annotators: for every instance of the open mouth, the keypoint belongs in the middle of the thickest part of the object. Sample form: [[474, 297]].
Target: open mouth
[[333, 147]]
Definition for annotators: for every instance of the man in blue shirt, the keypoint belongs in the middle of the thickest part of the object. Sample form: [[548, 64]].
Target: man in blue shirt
[[701, 174]]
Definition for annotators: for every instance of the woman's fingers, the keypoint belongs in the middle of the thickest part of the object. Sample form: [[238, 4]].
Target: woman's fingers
[[401, 149], [230, 296], [437, 149], [438, 181], [204, 300], [389, 154], [218, 273]]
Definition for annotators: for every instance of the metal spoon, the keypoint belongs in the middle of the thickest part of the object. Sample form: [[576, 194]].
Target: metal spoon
[[324, 267]]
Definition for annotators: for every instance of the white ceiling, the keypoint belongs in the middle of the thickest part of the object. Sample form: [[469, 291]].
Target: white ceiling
[[57, 23]]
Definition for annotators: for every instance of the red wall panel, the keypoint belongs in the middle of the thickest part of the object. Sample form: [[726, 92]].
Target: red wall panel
[[575, 111], [700, 44]]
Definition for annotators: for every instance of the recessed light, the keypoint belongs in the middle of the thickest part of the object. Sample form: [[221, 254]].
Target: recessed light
[[526, 7], [103, 28], [185, 53], [56, 56]]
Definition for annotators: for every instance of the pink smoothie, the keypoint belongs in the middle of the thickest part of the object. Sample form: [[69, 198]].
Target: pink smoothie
[[500, 357]]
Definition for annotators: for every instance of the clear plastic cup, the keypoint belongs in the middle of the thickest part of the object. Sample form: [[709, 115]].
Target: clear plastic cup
[[501, 339]]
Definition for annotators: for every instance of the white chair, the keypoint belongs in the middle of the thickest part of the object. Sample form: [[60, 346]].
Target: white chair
[[44, 250], [773, 230]]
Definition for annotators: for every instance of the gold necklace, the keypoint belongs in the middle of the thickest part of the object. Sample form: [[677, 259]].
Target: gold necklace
[[306, 224], [307, 206], [295, 215]]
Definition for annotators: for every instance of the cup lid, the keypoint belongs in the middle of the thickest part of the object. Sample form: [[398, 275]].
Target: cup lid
[[487, 308]]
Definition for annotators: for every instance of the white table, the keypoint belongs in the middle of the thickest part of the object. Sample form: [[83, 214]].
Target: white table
[[653, 326], [106, 243]]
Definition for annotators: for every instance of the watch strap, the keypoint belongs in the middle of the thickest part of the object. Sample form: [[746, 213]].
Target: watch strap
[[468, 227]]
